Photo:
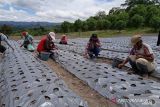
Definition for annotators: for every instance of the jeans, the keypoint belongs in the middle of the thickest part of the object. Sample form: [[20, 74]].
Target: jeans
[[94, 51]]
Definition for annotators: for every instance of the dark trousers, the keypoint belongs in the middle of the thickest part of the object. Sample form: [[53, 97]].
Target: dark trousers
[[94, 51], [49, 51], [2, 49], [63, 42]]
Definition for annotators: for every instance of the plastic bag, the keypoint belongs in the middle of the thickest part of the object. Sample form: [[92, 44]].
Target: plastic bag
[[30, 47]]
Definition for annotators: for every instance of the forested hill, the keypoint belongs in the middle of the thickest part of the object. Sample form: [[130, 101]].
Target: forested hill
[[28, 24]]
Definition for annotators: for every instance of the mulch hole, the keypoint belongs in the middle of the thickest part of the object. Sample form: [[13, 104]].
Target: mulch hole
[[55, 90], [14, 90], [60, 96], [104, 86], [133, 85], [47, 97], [33, 102], [16, 98], [43, 91]]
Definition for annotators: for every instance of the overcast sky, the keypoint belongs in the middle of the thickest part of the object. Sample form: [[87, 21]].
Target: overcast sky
[[53, 10]]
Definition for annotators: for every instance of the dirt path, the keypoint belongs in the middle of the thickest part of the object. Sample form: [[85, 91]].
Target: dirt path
[[93, 98]]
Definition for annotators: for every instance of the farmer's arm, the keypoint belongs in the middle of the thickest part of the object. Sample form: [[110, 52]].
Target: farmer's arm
[[127, 59], [123, 63], [6, 40]]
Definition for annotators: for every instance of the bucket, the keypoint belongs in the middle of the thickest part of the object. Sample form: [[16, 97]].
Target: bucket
[[44, 56]]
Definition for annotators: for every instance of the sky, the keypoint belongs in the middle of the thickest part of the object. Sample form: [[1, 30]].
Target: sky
[[53, 10]]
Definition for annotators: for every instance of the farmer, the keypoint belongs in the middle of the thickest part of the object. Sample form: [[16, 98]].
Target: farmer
[[141, 57], [93, 46], [47, 44], [63, 40], [28, 41], [158, 41], [4, 38]]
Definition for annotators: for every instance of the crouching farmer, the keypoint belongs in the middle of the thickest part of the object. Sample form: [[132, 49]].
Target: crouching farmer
[[28, 41], [63, 40], [93, 46], [141, 57], [47, 44]]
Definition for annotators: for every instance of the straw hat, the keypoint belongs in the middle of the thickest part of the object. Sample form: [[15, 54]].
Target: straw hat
[[135, 39]]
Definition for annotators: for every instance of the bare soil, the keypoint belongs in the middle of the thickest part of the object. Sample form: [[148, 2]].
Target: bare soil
[[93, 98]]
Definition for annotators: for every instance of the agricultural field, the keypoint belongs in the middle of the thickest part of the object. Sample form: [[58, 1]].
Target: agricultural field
[[71, 80]]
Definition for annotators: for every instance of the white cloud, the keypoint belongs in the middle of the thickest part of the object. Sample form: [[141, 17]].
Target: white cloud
[[54, 10]]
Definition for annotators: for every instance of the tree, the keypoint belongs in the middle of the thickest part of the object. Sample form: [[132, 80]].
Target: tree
[[113, 19], [101, 15], [136, 21], [123, 16], [133, 3], [66, 27], [91, 22], [84, 26], [155, 22], [107, 24], [100, 24], [152, 10], [139, 9], [6, 29], [78, 25], [120, 25], [116, 10]]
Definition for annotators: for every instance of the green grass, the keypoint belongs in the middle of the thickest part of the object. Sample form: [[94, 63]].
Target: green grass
[[112, 33], [102, 33]]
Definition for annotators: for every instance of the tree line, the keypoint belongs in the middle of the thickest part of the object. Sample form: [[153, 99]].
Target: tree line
[[36, 31], [131, 14]]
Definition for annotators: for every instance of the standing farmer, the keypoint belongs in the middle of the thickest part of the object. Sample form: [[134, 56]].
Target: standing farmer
[[158, 41], [4, 38]]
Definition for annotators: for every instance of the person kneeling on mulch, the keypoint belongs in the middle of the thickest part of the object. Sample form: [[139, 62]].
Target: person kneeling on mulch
[[47, 44], [63, 40], [141, 57], [93, 46], [28, 41]]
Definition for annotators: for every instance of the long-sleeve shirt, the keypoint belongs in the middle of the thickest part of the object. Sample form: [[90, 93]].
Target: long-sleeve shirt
[[45, 45], [28, 40]]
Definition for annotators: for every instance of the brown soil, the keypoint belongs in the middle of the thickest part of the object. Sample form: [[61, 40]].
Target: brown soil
[[93, 98]]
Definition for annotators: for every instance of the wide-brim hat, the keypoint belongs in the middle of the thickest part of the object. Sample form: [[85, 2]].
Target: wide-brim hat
[[135, 39], [52, 35]]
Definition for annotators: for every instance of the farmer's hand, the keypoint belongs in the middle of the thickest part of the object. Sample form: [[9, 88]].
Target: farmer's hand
[[120, 66]]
